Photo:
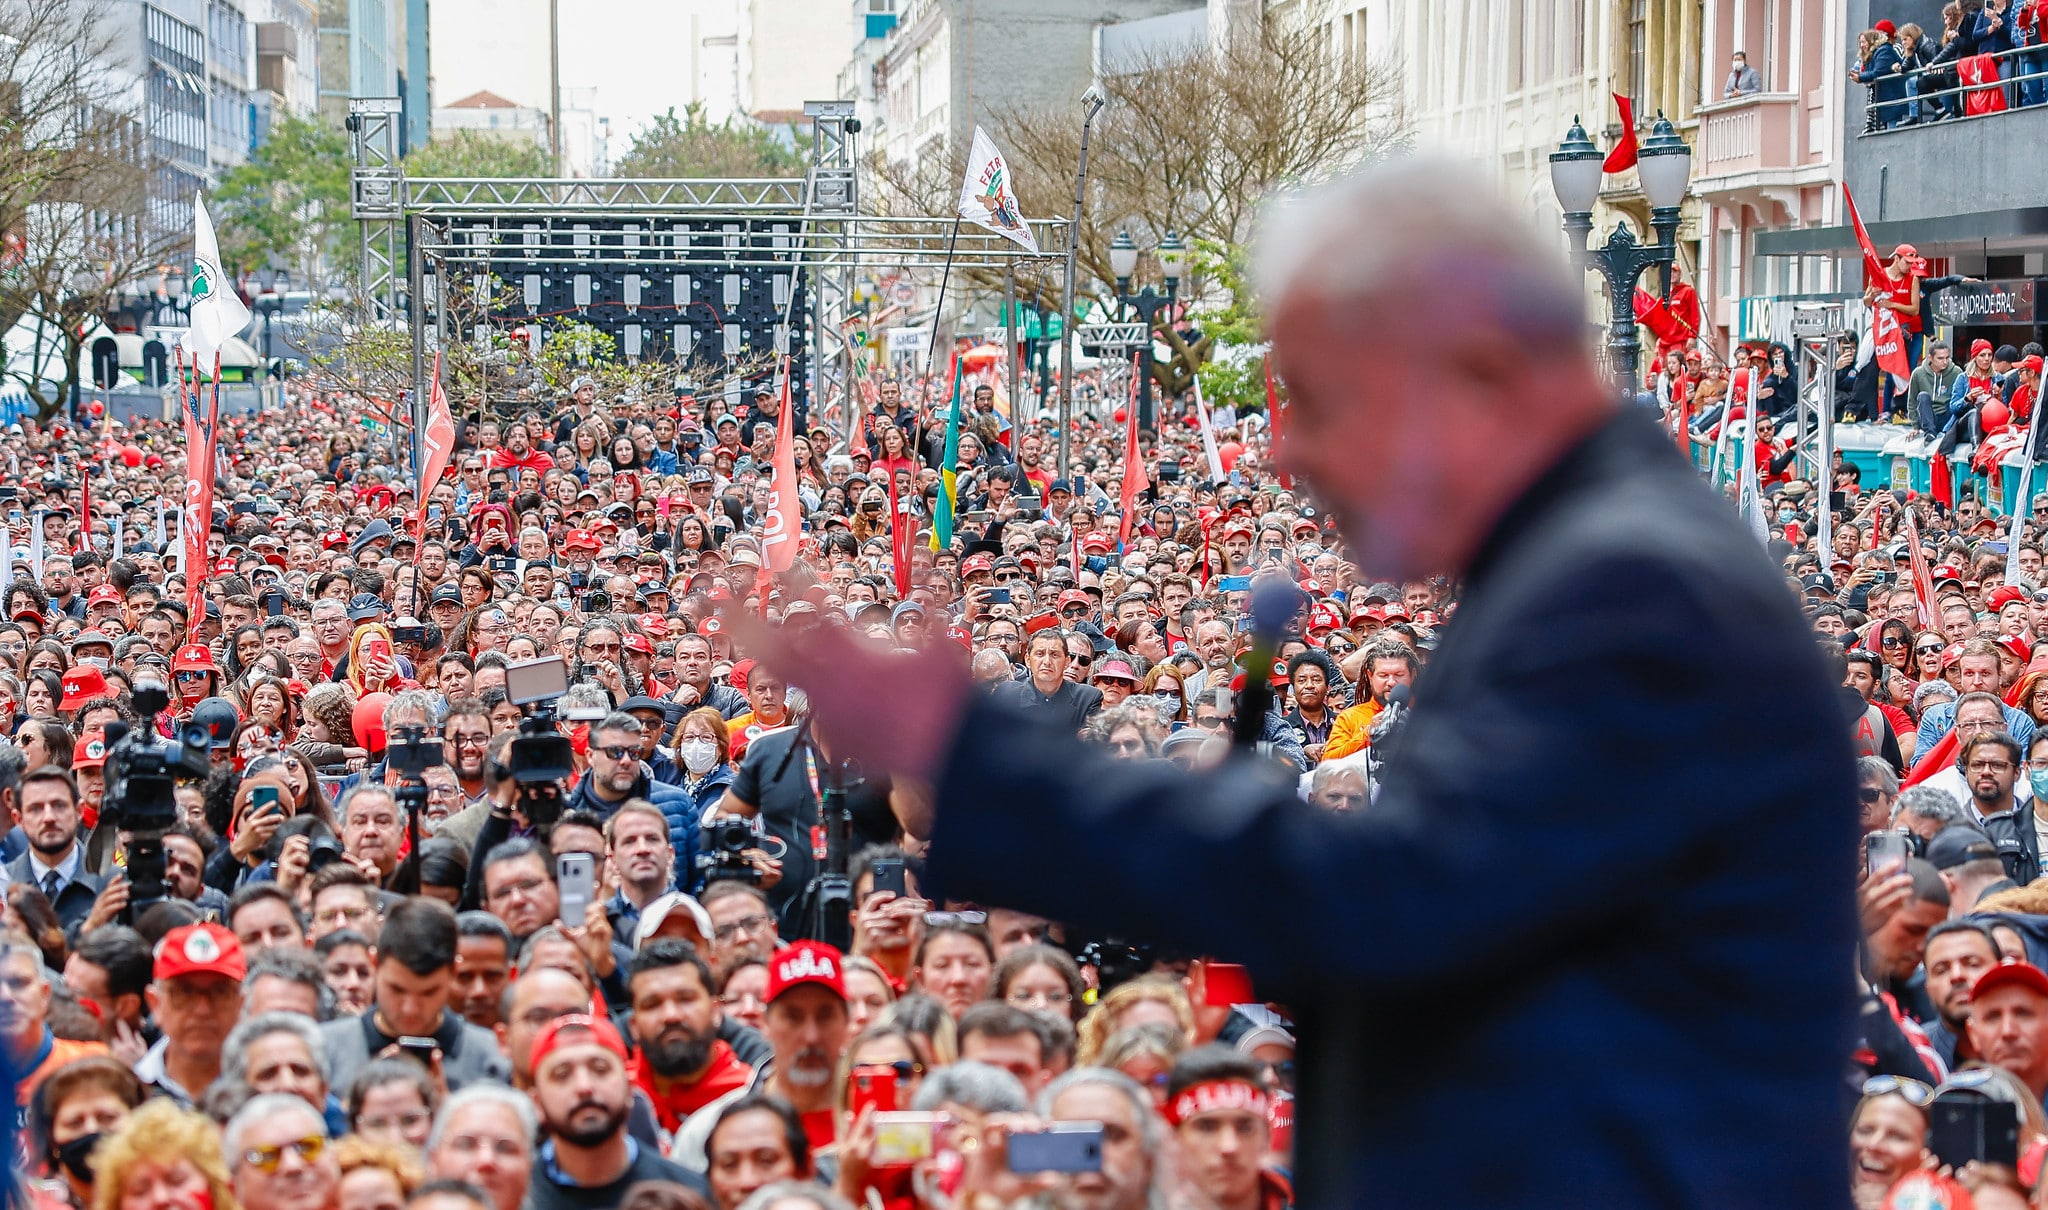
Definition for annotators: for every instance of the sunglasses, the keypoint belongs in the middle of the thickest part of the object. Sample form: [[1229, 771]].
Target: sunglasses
[[267, 1159], [1930, 650], [1914, 1091], [619, 751]]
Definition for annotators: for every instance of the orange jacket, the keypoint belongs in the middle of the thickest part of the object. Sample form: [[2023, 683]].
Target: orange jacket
[[1352, 730]]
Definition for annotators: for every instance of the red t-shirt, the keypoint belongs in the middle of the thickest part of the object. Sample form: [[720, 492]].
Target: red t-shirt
[[1902, 293], [677, 1100], [821, 1127]]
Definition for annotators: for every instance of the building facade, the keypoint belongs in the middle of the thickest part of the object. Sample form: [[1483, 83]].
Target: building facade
[[789, 52]]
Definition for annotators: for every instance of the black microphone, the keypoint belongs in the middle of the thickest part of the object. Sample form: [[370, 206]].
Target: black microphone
[[1273, 605]]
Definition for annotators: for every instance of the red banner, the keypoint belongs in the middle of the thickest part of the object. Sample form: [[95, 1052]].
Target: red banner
[[200, 433], [899, 541], [1623, 157], [1923, 579], [1273, 425], [437, 443], [1888, 341], [1873, 268], [785, 509], [1134, 466]]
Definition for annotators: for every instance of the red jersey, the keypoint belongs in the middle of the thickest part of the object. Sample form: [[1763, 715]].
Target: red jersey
[[1902, 293], [674, 1100], [536, 463]]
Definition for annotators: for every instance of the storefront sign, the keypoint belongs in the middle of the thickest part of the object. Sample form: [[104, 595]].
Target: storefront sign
[[1986, 302]]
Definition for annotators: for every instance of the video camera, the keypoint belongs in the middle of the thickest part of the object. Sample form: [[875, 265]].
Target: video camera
[[540, 758], [722, 854], [141, 784]]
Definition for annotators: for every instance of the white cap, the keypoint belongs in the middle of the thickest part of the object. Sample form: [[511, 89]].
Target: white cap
[[656, 914]]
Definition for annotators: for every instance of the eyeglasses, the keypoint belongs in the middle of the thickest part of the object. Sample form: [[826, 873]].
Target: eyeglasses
[[745, 924], [1989, 766], [956, 917], [268, 1159], [619, 751], [1929, 649], [1914, 1091]]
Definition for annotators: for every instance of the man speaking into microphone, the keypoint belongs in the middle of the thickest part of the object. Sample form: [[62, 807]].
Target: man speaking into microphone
[[1592, 943]]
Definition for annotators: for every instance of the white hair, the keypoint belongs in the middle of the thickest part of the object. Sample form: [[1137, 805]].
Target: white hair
[[519, 1103], [256, 1109], [1410, 223]]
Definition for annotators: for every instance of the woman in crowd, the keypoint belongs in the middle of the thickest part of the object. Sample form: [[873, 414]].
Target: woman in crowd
[[74, 1108], [162, 1158]]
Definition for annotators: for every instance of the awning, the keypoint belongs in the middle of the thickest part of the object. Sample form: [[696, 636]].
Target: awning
[[1995, 226]]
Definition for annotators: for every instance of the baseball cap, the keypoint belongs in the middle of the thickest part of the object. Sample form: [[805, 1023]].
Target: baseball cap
[[599, 1029], [1906, 250], [2010, 974], [805, 962], [199, 949], [679, 905], [447, 594], [1960, 844], [364, 606], [105, 594], [91, 752]]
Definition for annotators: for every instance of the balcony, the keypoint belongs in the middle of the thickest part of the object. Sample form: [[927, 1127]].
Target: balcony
[[1750, 151]]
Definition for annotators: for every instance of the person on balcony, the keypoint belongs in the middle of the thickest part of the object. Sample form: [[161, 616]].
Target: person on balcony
[[1743, 79], [1883, 69]]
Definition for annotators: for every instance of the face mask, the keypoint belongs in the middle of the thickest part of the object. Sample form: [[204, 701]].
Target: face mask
[[2038, 779], [1096, 563], [1168, 702], [74, 1154], [1788, 514], [698, 755]]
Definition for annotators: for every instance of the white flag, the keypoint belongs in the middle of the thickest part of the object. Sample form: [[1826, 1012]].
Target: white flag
[[989, 199], [35, 544], [1750, 496], [1208, 434], [217, 311]]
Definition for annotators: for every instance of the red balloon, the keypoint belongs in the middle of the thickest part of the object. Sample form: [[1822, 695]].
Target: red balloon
[[1995, 416], [367, 720], [1121, 416], [96, 407], [131, 455], [1227, 453]]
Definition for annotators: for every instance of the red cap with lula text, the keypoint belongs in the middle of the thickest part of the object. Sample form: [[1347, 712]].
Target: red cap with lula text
[[805, 962]]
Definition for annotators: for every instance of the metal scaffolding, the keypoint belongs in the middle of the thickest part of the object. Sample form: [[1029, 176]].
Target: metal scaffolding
[[418, 234]]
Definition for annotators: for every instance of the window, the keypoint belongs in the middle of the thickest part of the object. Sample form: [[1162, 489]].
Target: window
[[1724, 263], [1517, 48], [1638, 51]]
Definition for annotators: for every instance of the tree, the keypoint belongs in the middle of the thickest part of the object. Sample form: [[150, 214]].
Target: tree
[[690, 145], [288, 203], [474, 153], [1193, 139], [79, 221]]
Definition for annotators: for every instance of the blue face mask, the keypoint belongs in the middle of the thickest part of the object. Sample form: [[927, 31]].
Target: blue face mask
[[2038, 778], [1096, 563], [1788, 514]]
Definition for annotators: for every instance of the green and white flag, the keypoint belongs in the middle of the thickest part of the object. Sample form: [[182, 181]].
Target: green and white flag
[[217, 311]]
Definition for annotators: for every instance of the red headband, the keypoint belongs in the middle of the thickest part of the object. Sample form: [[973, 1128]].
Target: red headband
[[1216, 1095]]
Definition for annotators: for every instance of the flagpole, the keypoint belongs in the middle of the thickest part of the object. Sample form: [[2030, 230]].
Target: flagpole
[[939, 308], [2021, 497]]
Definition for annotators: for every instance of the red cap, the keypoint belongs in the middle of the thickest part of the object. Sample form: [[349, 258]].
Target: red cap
[[225, 566], [194, 657], [28, 613], [2031, 363], [635, 641], [333, 538], [710, 626], [654, 624], [975, 563], [1369, 612], [599, 1029], [91, 752], [105, 594], [1979, 345], [81, 685], [1096, 540], [1324, 617], [1950, 654], [2003, 596], [805, 962], [961, 635], [2017, 646], [581, 539], [1947, 571], [2010, 974], [1905, 250], [1043, 621], [200, 949], [1074, 596]]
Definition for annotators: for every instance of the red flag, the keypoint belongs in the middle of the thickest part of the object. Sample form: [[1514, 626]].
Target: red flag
[[1943, 487], [1873, 268], [785, 511], [85, 506], [1923, 579], [1134, 466], [899, 541], [1941, 756], [200, 431], [1623, 157], [438, 442], [1273, 425], [1888, 342]]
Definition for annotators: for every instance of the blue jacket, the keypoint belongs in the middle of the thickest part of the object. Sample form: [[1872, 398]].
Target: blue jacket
[[1890, 85], [1609, 962], [1940, 719], [1993, 32], [680, 808]]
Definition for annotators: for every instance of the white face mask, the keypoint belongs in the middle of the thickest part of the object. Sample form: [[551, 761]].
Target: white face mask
[[699, 755]]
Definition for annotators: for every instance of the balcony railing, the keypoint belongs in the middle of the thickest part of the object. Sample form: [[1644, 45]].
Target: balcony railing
[[2028, 68], [1750, 133]]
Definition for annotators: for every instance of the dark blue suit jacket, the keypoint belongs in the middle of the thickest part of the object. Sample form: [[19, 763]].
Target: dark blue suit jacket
[[1591, 945]]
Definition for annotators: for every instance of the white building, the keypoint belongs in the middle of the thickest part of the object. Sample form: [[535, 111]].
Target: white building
[[789, 52], [488, 113]]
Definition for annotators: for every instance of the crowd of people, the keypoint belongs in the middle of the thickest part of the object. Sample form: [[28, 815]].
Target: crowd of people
[[367, 985], [1989, 55]]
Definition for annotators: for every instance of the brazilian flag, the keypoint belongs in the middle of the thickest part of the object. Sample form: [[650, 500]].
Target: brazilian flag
[[949, 472]]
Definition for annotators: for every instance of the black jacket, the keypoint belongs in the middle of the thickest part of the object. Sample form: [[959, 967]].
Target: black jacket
[[74, 899], [1587, 899]]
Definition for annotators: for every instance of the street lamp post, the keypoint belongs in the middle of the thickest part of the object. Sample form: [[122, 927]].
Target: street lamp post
[[1092, 102], [1664, 166], [1147, 303]]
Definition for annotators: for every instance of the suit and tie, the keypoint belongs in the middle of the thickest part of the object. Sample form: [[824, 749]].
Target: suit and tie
[[69, 886]]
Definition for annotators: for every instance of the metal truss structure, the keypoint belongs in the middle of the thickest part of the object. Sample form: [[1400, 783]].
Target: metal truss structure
[[807, 236], [1115, 343]]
